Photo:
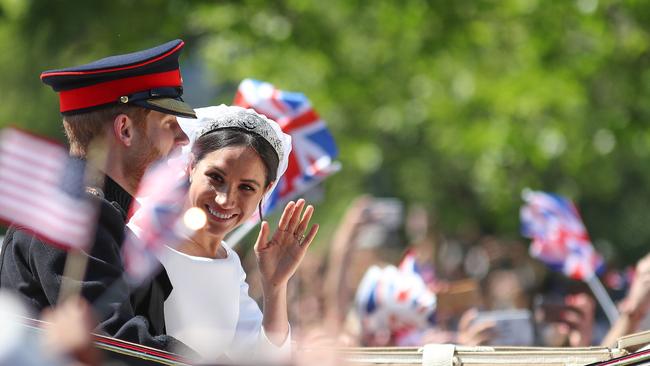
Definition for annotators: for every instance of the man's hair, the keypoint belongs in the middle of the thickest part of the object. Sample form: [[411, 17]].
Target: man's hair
[[81, 129]]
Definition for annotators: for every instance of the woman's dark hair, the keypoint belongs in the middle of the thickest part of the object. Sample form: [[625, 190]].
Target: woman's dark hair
[[234, 136]]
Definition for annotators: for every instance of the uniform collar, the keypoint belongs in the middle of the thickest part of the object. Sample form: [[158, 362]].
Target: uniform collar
[[115, 193]]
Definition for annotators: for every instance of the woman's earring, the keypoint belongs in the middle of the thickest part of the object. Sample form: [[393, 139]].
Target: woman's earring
[[190, 179]]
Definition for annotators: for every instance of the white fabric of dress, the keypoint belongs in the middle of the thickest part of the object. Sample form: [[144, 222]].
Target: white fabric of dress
[[210, 310]]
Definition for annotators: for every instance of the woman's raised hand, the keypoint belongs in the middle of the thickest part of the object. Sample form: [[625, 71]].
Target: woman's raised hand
[[279, 257]]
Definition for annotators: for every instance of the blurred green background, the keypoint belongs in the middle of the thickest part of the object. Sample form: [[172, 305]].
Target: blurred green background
[[457, 105]]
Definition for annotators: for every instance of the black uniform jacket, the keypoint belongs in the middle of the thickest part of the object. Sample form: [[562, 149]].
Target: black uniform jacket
[[33, 269]]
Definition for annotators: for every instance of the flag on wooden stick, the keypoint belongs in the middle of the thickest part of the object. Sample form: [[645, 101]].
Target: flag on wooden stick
[[42, 190]]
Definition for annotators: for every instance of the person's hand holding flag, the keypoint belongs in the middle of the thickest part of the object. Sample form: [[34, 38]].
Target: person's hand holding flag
[[561, 241]]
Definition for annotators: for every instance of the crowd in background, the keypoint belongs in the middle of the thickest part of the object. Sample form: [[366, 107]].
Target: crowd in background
[[468, 279], [482, 286]]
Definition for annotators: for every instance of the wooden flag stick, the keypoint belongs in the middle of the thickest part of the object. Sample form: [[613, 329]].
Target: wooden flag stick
[[76, 261], [73, 273], [603, 298]]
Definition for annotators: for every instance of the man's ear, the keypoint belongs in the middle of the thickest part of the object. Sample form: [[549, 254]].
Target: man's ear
[[123, 129]]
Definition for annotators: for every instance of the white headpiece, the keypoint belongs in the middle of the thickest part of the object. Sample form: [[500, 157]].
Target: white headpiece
[[222, 116]]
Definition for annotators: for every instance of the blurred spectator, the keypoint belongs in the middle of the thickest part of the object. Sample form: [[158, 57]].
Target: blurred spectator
[[503, 290], [18, 346], [66, 339], [338, 296], [634, 307], [306, 302], [68, 332], [470, 282], [394, 306], [471, 333], [567, 322]]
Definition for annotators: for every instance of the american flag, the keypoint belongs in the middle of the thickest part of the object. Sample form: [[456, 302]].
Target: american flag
[[313, 147], [158, 221], [42, 190], [560, 239]]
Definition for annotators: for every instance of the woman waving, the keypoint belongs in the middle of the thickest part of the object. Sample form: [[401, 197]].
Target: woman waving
[[237, 156]]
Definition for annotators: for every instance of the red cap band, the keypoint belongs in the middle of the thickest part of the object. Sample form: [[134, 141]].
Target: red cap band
[[110, 91]]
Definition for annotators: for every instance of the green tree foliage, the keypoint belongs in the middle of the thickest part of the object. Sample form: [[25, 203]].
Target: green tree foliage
[[455, 104]]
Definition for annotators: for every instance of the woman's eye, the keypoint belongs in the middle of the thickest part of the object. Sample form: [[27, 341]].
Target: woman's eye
[[216, 177], [246, 187]]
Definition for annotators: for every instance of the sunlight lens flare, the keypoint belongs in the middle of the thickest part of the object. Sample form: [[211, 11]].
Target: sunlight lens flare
[[194, 218]]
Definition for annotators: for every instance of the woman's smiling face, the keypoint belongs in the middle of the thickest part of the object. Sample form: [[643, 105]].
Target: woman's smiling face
[[227, 184]]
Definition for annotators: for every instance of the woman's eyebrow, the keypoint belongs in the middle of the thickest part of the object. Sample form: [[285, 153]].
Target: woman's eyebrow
[[252, 181], [219, 171]]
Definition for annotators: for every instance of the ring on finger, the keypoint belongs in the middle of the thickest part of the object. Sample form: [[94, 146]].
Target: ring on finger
[[301, 238]]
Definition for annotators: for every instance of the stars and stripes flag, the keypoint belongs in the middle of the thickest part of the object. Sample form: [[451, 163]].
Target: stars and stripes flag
[[158, 219], [42, 190], [314, 151], [559, 236]]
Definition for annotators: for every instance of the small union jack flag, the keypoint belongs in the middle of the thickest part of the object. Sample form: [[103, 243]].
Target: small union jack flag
[[158, 221], [560, 239], [313, 151], [410, 264], [396, 300]]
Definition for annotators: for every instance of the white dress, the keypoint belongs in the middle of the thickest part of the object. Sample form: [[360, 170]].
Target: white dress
[[210, 310]]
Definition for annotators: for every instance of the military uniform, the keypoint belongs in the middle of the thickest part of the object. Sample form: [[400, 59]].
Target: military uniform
[[34, 269]]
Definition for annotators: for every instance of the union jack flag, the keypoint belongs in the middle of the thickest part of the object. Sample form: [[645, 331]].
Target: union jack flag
[[560, 239], [313, 147], [396, 300], [158, 221], [410, 264]]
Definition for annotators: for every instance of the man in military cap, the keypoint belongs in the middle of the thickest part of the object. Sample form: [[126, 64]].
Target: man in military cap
[[129, 102]]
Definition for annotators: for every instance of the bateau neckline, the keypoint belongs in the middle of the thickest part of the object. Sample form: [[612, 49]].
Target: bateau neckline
[[203, 259]]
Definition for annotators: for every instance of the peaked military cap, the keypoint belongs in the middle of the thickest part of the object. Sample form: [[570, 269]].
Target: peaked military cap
[[150, 79]]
